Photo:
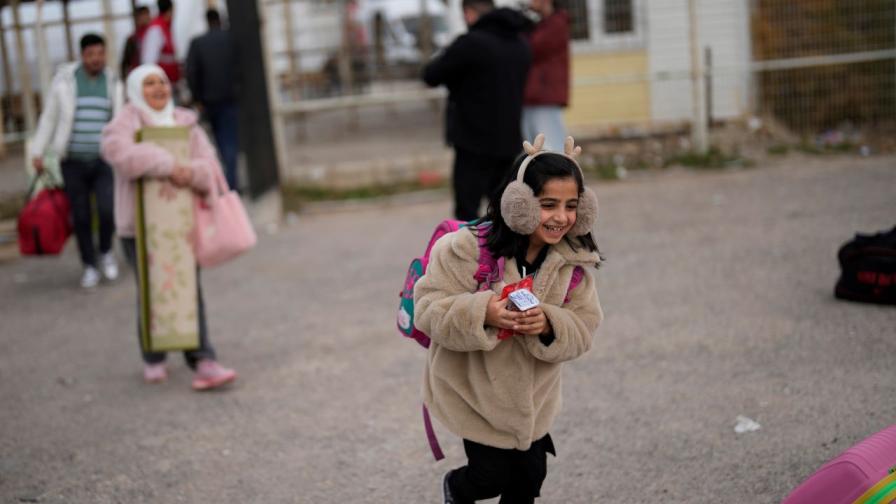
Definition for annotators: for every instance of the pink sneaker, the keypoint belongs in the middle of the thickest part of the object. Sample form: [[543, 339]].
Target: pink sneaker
[[210, 374], [155, 373]]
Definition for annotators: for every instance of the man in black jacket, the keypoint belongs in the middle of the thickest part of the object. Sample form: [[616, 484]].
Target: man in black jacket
[[485, 72], [212, 69]]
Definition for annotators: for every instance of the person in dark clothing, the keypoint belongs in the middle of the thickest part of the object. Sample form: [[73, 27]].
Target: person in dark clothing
[[130, 58], [212, 75], [485, 72]]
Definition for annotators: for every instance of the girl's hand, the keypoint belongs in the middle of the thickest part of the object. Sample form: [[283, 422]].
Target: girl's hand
[[182, 175], [532, 322], [497, 314]]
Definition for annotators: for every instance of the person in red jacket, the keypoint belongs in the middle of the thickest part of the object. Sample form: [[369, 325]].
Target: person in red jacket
[[547, 86], [157, 45]]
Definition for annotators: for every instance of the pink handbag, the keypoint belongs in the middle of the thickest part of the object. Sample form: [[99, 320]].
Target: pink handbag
[[223, 230]]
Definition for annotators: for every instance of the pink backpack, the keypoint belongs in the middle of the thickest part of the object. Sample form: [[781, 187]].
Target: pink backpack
[[863, 474], [490, 270]]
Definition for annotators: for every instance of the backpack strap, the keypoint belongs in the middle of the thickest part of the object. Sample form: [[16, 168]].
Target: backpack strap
[[577, 274], [490, 270], [431, 436]]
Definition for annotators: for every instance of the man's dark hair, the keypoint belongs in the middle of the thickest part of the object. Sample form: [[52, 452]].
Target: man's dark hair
[[91, 39], [479, 5], [164, 6], [141, 10], [212, 17]]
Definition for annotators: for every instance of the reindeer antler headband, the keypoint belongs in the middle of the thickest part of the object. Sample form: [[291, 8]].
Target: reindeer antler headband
[[570, 151]]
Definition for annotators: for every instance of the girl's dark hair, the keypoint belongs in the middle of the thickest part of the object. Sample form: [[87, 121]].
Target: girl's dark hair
[[503, 241]]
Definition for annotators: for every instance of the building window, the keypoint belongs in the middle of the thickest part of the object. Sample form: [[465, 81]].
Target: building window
[[606, 24], [618, 16], [579, 20]]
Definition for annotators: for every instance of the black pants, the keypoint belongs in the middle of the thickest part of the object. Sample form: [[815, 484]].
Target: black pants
[[205, 350], [83, 178], [475, 176], [513, 474]]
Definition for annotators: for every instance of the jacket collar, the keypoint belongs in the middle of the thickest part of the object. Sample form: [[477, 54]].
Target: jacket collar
[[578, 255], [560, 255]]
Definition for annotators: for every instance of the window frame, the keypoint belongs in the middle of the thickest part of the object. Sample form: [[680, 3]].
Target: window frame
[[601, 41]]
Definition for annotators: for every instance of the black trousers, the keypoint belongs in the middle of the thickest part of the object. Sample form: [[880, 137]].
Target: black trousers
[[513, 474], [475, 176], [205, 350], [83, 178]]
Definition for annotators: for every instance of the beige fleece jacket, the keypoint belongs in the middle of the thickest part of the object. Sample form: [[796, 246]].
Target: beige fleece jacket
[[506, 393]]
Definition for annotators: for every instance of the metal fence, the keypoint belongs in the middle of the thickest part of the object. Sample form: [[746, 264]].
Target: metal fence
[[812, 65], [821, 64], [35, 37], [329, 55]]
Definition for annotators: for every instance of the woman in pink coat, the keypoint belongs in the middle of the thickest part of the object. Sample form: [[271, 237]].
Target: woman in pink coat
[[150, 104]]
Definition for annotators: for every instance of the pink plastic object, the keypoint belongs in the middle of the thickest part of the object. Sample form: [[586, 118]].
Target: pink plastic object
[[847, 478]]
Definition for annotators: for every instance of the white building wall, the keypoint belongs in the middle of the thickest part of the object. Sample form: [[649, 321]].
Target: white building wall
[[723, 25]]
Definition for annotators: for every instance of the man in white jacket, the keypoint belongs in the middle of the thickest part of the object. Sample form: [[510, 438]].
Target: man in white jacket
[[83, 97]]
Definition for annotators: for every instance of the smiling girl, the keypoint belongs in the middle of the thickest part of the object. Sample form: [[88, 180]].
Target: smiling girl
[[501, 396]]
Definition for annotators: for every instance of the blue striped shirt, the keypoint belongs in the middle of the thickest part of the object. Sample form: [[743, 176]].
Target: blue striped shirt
[[93, 109]]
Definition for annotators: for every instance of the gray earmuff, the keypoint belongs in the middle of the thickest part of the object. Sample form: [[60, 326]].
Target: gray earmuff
[[586, 214], [521, 209]]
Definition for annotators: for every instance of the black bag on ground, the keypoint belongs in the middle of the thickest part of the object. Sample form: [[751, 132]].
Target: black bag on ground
[[868, 269]]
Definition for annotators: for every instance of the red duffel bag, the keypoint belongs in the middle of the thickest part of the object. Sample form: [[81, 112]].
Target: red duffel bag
[[44, 224]]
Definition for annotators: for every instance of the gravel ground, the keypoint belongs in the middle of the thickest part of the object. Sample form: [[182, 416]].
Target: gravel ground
[[717, 292]]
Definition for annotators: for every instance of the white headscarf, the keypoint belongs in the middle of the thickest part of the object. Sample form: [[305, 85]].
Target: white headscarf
[[164, 117]]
